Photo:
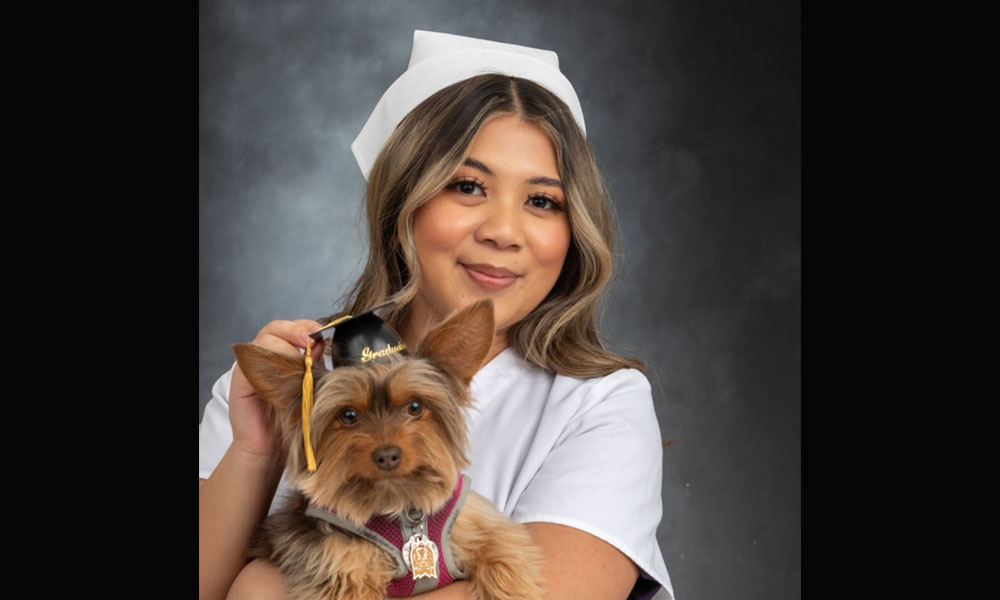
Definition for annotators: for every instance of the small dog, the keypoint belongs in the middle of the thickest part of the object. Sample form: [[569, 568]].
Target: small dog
[[390, 442]]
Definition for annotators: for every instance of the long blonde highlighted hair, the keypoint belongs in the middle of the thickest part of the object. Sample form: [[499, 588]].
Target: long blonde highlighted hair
[[417, 162]]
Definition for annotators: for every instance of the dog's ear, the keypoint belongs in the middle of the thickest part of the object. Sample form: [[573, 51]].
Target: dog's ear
[[461, 342], [277, 378]]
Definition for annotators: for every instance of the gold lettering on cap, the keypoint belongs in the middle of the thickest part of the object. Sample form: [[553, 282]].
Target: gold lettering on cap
[[367, 354]]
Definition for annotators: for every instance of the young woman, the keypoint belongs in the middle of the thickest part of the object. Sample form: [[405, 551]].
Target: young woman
[[480, 184]]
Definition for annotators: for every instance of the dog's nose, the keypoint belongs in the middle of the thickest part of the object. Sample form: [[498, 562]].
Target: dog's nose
[[387, 457]]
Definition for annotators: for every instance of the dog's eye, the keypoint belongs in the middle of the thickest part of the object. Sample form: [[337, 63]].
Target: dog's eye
[[348, 416], [415, 408]]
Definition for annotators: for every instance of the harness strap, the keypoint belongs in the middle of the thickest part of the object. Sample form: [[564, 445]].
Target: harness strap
[[368, 534], [449, 558], [407, 528]]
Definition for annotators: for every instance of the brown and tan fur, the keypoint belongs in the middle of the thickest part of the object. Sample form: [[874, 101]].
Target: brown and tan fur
[[321, 561]]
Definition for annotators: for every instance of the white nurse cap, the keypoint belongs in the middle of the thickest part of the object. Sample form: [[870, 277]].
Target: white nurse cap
[[441, 59]]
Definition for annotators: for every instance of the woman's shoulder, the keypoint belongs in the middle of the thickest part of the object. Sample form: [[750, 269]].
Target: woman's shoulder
[[619, 383], [511, 375], [622, 386]]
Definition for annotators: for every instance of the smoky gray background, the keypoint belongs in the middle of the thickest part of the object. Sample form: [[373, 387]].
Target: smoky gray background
[[693, 110]]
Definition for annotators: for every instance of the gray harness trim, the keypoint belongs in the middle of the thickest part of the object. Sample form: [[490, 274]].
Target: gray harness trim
[[368, 534], [407, 527], [449, 559]]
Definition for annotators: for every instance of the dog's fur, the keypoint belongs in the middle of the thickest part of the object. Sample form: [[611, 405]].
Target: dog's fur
[[321, 561]]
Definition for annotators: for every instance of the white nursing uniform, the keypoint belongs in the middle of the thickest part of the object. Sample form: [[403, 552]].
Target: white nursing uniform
[[585, 453]]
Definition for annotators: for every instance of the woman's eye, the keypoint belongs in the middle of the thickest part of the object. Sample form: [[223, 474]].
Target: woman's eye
[[468, 187], [349, 416], [415, 408], [544, 202]]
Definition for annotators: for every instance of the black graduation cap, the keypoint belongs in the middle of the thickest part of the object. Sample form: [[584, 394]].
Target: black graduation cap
[[362, 339], [357, 340]]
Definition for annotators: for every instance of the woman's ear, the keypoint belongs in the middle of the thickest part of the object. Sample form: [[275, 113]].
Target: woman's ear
[[460, 343]]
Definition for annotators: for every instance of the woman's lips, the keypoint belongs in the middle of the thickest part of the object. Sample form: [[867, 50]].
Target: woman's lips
[[490, 277]]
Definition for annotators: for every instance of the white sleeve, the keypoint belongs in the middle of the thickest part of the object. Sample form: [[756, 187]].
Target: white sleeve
[[604, 473], [215, 434]]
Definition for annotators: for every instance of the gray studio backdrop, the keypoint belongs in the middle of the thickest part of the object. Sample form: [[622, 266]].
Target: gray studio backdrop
[[692, 108]]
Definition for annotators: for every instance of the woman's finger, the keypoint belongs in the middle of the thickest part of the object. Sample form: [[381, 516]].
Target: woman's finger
[[292, 333]]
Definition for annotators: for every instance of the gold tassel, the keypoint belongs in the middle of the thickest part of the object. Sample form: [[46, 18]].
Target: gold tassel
[[307, 396], [307, 401]]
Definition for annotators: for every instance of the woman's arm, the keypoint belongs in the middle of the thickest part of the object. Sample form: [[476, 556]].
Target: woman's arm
[[576, 565], [230, 505], [579, 565], [237, 495]]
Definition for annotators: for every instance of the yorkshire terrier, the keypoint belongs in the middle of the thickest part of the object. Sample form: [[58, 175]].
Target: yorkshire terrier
[[387, 511]]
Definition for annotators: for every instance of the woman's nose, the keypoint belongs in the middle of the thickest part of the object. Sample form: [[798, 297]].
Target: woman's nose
[[501, 225]]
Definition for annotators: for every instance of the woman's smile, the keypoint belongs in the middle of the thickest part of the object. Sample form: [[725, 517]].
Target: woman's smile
[[489, 276]]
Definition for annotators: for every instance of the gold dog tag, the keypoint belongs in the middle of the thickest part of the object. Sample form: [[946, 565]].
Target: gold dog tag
[[422, 556]]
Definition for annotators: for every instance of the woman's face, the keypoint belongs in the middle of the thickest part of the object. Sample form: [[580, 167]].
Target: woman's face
[[498, 230]]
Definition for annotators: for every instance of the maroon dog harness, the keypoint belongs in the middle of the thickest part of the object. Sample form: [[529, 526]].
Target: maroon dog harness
[[419, 544]]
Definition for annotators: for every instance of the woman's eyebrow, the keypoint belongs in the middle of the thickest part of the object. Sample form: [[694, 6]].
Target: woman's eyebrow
[[549, 181], [475, 164], [545, 181]]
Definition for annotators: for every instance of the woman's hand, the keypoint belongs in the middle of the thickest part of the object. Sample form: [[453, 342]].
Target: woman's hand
[[254, 431], [237, 496]]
